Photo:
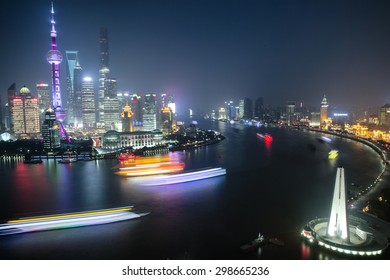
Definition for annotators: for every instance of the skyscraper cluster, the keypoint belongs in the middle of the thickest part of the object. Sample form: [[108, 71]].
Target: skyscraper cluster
[[50, 113]]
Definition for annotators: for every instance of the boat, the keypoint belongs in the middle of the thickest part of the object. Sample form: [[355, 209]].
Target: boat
[[67, 160], [184, 177], [256, 243], [151, 169], [70, 220], [32, 161], [333, 154], [267, 137], [126, 156]]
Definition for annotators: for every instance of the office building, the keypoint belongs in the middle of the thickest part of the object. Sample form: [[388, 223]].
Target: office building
[[88, 103], [112, 119], [71, 60]]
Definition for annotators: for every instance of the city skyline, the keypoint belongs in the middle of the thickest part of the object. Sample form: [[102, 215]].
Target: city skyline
[[214, 50]]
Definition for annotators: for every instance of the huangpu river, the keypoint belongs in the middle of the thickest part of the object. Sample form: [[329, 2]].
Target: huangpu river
[[273, 188]]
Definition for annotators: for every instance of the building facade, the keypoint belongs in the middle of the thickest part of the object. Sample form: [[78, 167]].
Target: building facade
[[112, 119], [25, 116], [384, 115], [324, 112], [44, 102], [149, 117], [137, 140], [78, 95], [71, 60], [51, 132], [88, 103]]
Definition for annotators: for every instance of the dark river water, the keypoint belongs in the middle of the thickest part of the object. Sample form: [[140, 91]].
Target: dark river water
[[273, 188]]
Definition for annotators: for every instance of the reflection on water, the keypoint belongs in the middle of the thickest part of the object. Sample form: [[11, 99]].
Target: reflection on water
[[274, 188]]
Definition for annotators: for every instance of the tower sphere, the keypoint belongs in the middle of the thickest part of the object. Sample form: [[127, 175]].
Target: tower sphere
[[54, 56]]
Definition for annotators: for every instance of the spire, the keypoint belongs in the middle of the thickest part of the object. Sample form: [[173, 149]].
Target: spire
[[53, 29]]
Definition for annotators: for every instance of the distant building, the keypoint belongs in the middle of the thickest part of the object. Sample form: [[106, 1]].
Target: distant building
[[222, 114], [230, 110], [166, 120], [78, 95], [315, 119], [51, 132], [88, 103], [136, 108], [44, 102], [324, 111], [384, 115], [25, 116], [290, 112], [245, 108], [149, 119], [259, 109], [112, 119], [11, 93], [71, 60], [137, 140], [104, 71], [127, 119]]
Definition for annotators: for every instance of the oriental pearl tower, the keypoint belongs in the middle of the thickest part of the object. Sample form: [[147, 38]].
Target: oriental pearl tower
[[54, 57]]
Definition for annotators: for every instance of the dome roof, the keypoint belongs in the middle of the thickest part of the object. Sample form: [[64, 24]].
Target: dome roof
[[24, 90]]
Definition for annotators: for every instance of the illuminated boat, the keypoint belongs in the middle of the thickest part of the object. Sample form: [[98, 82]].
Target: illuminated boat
[[126, 156], [67, 160], [333, 154], [78, 219], [267, 137], [151, 169], [184, 177]]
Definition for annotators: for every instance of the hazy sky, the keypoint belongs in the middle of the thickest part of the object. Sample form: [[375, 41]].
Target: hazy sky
[[208, 51]]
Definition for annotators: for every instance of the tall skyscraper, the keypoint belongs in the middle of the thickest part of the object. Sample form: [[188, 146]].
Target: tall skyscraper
[[51, 132], [166, 120], [54, 57], [104, 71], [259, 109], [71, 60], [323, 111], [290, 112], [384, 115], [25, 115], [8, 114], [77, 87], [127, 119], [149, 119], [44, 102], [88, 103], [112, 119], [246, 108]]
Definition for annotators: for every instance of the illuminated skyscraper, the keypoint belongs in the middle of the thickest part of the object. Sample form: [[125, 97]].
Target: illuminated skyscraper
[[51, 132], [8, 114], [127, 119], [88, 103], [384, 115], [104, 71], [323, 111], [149, 119], [25, 115], [44, 102], [71, 59], [112, 119], [54, 57], [77, 87], [290, 112], [166, 120], [246, 108]]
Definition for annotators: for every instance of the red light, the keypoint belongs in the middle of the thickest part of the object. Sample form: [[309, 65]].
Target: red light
[[134, 101], [17, 99]]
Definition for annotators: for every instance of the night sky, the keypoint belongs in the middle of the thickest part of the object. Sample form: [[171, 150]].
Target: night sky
[[208, 51]]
